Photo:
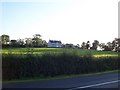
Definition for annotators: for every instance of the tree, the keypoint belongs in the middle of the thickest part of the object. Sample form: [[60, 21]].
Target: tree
[[44, 43], [83, 45], [114, 45], [37, 36], [28, 42], [109, 45], [88, 45], [95, 44], [5, 39], [118, 43], [37, 41], [117, 46], [20, 42], [102, 46], [77, 46], [69, 45], [13, 43]]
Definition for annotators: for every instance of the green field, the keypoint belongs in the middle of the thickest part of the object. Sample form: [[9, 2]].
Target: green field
[[56, 51]]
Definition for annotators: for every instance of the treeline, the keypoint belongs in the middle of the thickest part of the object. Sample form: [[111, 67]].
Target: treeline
[[48, 65], [109, 46], [37, 41]]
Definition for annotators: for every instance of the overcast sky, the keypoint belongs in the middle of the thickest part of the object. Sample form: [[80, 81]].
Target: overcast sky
[[71, 21]]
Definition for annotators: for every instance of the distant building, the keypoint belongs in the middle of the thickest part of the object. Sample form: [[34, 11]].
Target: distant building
[[54, 43], [99, 48]]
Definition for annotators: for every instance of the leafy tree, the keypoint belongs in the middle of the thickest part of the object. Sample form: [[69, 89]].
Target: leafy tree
[[83, 45], [44, 43], [102, 46], [95, 44], [13, 43], [114, 45], [117, 42], [109, 45], [37, 41], [88, 45], [20, 42], [77, 46], [28, 42], [37, 36], [5, 39], [69, 45]]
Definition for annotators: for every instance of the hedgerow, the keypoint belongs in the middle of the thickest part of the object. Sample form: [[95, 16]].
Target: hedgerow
[[50, 65]]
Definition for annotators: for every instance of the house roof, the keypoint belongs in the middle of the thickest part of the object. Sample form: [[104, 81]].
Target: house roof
[[54, 41]]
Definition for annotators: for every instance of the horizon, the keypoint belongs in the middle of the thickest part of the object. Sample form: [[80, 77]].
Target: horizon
[[66, 20]]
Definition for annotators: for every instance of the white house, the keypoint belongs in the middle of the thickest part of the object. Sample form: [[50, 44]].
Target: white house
[[54, 43]]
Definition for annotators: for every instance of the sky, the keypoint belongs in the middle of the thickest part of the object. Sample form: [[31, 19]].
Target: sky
[[71, 21]]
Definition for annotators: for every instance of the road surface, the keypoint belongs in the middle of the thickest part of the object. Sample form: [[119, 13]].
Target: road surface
[[108, 80]]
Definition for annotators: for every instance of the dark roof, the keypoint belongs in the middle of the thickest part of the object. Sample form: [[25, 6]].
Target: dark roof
[[54, 41]]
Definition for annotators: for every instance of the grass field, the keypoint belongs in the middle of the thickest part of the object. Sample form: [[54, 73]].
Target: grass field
[[57, 51]]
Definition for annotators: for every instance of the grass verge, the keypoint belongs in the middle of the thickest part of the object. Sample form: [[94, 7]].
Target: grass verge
[[58, 77]]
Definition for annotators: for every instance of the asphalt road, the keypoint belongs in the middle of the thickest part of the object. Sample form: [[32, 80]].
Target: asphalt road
[[109, 80]]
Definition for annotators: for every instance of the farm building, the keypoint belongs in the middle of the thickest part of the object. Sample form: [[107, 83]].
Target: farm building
[[54, 43]]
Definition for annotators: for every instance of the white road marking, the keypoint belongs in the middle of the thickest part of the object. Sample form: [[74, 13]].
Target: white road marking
[[99, 84]]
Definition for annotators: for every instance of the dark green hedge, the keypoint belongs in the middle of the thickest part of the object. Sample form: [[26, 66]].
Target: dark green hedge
[[29, 66]]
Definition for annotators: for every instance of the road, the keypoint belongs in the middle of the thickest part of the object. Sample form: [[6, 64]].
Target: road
[[108, 80]]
